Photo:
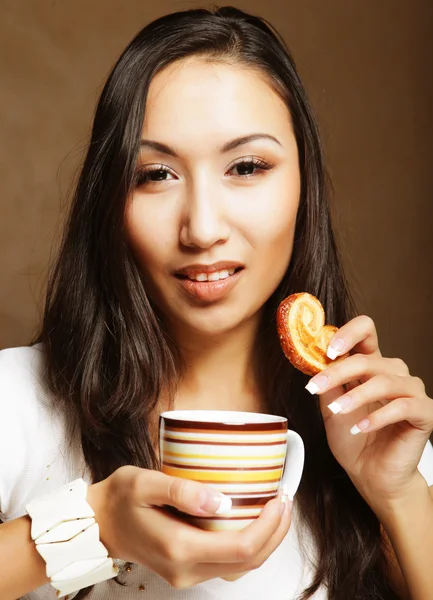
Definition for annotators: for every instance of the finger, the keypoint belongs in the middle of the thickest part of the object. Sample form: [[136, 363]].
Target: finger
[[355, 367], [235, 576], [383, 388], [276, 539], [191, 545], [153, 488], [233, 571], [204, 572], [358, 335], [418, 412], [240, 546]]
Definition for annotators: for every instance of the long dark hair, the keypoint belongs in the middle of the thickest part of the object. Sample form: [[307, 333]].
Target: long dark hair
[[108, 355]]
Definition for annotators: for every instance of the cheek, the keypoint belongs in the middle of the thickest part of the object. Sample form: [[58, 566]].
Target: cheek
[[270, 223], [271, 233], [147, 236], [274, 243]]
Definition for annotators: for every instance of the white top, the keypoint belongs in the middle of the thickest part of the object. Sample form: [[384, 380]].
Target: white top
[[34, 459]]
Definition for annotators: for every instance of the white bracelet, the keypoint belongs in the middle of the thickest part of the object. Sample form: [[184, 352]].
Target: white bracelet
[[67, 537]]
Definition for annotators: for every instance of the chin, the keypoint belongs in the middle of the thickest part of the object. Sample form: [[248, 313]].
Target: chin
[[212, 323]]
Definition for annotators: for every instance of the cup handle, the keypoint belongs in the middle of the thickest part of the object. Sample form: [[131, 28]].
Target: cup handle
[[294, 464]]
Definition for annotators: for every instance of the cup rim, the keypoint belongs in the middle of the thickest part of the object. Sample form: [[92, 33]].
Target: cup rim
[[222, 417]]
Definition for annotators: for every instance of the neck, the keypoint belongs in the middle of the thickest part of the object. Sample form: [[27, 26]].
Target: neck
[[219, 371]]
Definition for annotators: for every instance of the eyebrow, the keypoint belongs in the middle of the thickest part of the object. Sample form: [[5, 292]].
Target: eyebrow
[[227, 147]]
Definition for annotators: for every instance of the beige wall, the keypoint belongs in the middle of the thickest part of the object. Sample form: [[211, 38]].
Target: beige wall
[[367, 67]]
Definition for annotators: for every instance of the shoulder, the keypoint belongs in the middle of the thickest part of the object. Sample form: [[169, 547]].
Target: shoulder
[[24, 394], [21, 367], [33, 431]]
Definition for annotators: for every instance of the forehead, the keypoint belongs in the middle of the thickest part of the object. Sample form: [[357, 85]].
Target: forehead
[[195, 99]]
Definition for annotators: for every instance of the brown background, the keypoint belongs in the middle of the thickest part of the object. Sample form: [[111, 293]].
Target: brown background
[[367, 67]]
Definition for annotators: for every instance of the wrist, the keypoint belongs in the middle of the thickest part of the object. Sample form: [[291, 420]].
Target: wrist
[[97, 498], [396, 511], [388, 501], [408, 523], [66, 535]]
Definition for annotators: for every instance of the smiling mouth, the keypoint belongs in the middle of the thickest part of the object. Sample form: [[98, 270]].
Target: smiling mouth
[[210, 277]]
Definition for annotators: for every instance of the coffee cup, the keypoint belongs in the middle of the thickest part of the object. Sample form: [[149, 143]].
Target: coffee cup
[[246, 456]]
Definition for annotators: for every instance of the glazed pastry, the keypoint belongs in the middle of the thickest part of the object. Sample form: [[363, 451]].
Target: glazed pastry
[[304, 337]]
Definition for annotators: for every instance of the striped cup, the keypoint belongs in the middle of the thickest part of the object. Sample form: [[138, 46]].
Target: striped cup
[[246, 456]]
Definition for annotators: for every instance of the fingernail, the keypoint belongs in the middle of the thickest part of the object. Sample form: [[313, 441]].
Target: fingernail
[[316, 384], [335, 348], [284, 492], [285, 503], [340, 405], [217, 504], [361, 426], [225, 505]]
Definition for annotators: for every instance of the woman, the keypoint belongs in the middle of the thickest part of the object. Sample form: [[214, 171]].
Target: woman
[[200, 206]]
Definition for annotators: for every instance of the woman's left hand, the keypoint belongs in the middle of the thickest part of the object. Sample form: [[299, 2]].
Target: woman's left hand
[[378, 427]]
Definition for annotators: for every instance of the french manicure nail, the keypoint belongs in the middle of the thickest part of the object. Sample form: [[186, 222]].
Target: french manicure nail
[[340, 405], [225, 505], [334, 407], [283, 490], [285, 493], [316, 384], [335, 348], [286, 502], [361, 426], [215, 503]]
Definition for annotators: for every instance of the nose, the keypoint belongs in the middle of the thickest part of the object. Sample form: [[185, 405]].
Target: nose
[[204, 222]]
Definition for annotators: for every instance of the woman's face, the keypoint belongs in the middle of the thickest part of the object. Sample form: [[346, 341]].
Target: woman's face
[[211, 220]]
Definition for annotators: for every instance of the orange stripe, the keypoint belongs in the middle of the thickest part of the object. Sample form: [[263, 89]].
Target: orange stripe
[[212, 481], [225, 477]]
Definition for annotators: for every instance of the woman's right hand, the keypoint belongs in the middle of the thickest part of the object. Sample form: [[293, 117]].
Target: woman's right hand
[[135, 527]]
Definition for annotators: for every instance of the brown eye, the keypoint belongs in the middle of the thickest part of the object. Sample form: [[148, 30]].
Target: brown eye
[[155, 175], [247, 168]]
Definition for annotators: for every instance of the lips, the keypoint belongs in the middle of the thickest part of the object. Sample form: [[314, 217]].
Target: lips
[[194, 272], [209, 283], [214, 276]]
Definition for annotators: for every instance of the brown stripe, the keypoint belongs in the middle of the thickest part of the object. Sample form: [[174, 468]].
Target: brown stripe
[[234, 495], [206, 468], [253, 506], [238, 427], [222, 432], [224, 518], [251, 502], [206, 443]]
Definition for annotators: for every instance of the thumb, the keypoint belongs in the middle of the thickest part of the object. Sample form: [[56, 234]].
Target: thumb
[[184, 494]]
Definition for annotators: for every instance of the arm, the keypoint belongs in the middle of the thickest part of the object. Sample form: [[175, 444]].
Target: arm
[[409, 526], [23, 569], [393, 570], [128, 509], [378, 420]]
